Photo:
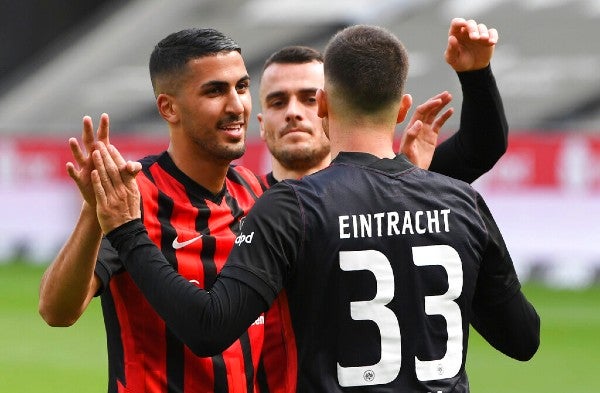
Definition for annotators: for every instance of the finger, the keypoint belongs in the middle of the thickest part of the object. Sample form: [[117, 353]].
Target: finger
[[111, 168], [87, 134], [472, 29], [456, 25], [99, 192], [432, 107], [493, 36], [71, 171], [452, 50], [117, 157], [413, 131], [103, 128], [103, 176], [425, 108], [134, 167], [483, 32], [77, 152], [441, 120]]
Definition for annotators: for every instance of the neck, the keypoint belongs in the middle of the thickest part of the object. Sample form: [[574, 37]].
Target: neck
[[366, 138], [281, 172], [205, 170]]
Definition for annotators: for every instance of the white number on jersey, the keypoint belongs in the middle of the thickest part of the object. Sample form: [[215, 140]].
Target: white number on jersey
[[376, 310]]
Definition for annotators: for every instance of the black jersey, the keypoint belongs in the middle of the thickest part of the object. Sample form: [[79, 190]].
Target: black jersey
[[382, 263]]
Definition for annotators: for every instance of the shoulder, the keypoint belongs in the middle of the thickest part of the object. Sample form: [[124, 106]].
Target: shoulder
[[242, 176]]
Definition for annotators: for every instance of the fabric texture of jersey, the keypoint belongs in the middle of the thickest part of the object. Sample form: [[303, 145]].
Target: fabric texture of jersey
[[195, 231], [382, 263]]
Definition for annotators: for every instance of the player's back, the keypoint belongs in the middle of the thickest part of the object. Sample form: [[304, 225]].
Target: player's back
[[382, 292]]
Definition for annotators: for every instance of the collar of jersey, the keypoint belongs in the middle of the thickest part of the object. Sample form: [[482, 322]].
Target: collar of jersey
[[397, 164]]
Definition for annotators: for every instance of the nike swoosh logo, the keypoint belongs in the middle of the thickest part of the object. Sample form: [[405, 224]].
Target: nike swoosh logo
[[177, 244]]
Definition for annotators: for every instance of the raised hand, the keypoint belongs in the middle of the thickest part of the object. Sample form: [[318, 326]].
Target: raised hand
[[470, 45], [115, 189], [420, 136], [80, 173]]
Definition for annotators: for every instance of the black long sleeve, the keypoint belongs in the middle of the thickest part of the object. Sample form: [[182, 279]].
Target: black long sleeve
[[483, 135], [500, 311], [513, 327], [201, 319]]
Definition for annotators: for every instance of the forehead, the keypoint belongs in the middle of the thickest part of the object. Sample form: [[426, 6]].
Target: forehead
[[291, 77], [225, 67]]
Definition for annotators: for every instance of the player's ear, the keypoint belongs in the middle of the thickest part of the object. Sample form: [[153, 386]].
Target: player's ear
[[260, 119], [322, 110], [405, 104], [167, 107]]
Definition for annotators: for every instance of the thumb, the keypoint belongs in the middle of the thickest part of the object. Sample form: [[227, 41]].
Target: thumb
[[133, 167]]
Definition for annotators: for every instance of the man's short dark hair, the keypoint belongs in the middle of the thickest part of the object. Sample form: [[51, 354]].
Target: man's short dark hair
[[368, 65], [296, 54], [172, 53]]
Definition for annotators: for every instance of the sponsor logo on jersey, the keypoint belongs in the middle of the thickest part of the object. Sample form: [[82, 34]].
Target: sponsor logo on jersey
[[177, 244], [244, 238]]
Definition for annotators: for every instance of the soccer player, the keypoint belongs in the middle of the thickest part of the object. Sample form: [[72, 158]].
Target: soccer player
[[294, 135], [193, 200], [385, 265]]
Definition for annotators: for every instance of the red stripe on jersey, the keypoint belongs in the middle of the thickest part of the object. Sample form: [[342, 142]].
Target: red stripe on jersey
[[149, 195], [279, 354]]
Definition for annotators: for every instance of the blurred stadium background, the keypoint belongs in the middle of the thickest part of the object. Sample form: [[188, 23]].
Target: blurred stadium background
[[61, 60]]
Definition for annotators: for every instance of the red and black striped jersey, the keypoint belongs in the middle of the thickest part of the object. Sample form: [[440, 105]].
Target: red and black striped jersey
[[195, 231]]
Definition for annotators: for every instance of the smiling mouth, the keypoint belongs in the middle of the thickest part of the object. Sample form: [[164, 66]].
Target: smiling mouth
[[233, 127]]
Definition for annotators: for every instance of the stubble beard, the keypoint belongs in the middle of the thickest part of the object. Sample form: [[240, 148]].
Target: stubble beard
[[301, 158]]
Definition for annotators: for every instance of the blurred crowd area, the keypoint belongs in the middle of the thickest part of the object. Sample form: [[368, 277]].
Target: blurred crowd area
[[61, 60]]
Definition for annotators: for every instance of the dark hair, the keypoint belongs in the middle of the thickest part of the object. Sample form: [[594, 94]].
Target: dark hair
[[295, 54], [172, 53], [368, 65]]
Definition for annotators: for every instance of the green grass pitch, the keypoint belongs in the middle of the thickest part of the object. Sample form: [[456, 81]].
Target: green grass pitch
[[38, 358]]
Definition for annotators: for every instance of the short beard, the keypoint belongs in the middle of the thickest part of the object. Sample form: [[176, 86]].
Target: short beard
[[222, 153], [303, 159]]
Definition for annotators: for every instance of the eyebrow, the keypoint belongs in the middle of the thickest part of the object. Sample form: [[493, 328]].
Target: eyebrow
[[281, 93], [219, 83]]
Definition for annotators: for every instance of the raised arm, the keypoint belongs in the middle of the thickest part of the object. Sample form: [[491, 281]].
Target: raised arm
[[483, 134], [69, 283]]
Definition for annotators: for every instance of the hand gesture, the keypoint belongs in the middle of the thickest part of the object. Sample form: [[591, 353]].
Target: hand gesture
[[419, 138], [85, 164], [470, 45], [115, 189]]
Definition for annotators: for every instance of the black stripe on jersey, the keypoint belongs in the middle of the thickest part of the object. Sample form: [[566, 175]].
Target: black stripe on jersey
[[175, 363], [220, 373], [174, 348], [116, 370], [248, 367], [261, 378]]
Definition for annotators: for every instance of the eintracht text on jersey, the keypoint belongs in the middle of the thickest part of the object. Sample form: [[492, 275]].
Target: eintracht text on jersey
[[393, 223]]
